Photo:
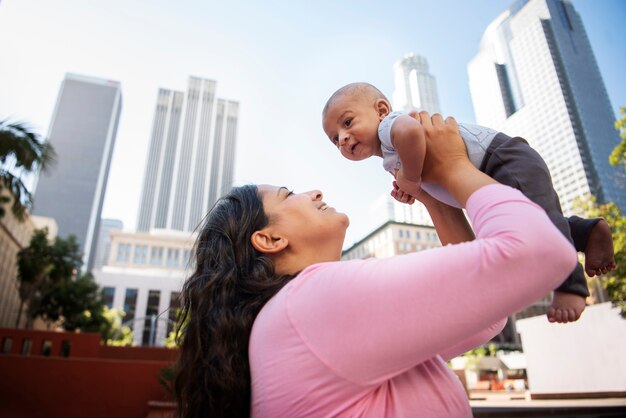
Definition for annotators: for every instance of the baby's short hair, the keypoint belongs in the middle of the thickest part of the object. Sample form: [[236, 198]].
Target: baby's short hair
[[361, 89]]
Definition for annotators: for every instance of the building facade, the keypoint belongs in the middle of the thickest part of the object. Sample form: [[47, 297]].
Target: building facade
[[143, 278], [191, 157], [535, 76], [386, 208], [415, 86], [82, 131], [15, 235], [393, 238]]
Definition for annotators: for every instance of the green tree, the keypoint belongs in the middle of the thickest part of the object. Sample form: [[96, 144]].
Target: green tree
[[618, 156], [52, 287], [22, 152], [615, 282], [112, 330], [74, 303], [33, 269]]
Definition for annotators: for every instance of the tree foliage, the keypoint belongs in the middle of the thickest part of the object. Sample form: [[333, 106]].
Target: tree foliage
[[615, 282], [618, 156], [22, 152], [52, 287], [112, 330]]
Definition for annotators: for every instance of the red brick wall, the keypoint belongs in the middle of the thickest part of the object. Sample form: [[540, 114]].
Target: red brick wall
[[94, 381]]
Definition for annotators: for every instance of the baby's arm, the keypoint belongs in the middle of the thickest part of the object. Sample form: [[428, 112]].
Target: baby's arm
[[408, 138]]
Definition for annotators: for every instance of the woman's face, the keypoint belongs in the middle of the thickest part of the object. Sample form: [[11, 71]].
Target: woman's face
[[304, 219]]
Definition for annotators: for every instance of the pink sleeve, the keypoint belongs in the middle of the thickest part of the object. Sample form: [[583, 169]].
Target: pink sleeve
[[473, 341], [370, 320]]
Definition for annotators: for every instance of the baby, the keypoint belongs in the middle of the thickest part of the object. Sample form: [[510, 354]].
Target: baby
[[359, 121]]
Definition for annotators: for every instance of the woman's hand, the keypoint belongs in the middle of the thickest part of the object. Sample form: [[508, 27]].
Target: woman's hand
[[446, 161], [444, 147]]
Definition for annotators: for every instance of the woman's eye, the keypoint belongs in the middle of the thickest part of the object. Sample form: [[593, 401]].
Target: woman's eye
[[290, 192]]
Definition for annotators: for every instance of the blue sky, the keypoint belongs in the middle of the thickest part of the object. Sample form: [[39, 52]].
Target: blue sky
[[279, 59]]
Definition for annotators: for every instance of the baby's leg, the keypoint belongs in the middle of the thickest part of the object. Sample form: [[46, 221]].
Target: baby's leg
[[513, 162], [594, 238]]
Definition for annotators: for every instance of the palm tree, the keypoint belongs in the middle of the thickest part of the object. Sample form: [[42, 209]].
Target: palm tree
[[22, 152]]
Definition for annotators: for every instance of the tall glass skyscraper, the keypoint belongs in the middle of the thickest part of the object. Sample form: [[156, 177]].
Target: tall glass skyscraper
[[415, 87], [191, 157], [82, 132], [535, 76]]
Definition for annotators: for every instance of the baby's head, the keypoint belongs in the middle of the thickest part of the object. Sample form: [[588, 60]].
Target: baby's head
[[350, 119]]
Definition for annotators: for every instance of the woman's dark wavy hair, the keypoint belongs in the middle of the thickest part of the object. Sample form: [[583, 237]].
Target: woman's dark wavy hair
[[220, 301]]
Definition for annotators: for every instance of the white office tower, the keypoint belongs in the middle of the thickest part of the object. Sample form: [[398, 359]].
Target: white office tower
[[535, 76], [415, 87], [191, 158]]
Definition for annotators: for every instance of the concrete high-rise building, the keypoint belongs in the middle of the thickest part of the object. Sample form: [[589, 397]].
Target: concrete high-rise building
[[82, 132], [191, 158], [535, 76], [415, 86]]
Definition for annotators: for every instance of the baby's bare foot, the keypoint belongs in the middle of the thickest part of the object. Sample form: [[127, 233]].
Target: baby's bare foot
[[566, 307], [599, 250]]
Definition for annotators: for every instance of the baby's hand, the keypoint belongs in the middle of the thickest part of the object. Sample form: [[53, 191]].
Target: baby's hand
[[400, 196], [407, 186]]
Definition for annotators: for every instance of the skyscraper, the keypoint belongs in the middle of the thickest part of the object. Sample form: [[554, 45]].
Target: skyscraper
[[415, 87], [82, 131], [191, 158], [535, 76]]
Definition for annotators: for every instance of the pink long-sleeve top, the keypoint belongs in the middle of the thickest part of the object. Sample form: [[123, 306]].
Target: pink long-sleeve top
[[368, 338]]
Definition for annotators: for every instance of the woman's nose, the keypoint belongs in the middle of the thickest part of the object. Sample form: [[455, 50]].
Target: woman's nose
[[316, 195]]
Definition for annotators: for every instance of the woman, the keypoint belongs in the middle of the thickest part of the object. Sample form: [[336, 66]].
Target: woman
[[277, 326]]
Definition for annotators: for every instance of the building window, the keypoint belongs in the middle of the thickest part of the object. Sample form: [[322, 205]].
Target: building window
[[156, 256], [130, 302], [66, 347], [7, 343], [27, 345], [188, 261], [400, 232], [173, 311], [150, 323], [141, 253], [417, 235], [107, 296], [172, 257], [123, 253], [46, 348]]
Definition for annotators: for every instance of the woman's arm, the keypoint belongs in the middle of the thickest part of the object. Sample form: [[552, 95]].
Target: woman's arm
[[369, 320], [372, 319]]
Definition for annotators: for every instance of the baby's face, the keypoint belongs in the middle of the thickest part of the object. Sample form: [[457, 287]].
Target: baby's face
[[351, 124]]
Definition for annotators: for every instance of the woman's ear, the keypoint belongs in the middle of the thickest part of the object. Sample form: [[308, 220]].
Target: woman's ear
[[383, 107], [264, 242]]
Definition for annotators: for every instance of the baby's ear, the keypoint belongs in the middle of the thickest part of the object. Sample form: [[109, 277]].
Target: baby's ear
[[383, 107]]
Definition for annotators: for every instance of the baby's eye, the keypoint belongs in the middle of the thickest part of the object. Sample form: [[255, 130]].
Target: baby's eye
[[347, 123], [335, 140]]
